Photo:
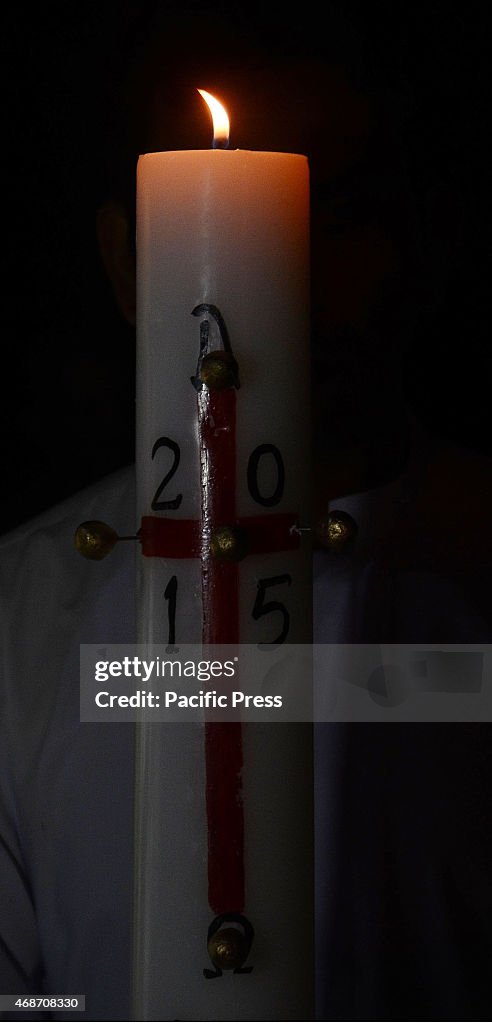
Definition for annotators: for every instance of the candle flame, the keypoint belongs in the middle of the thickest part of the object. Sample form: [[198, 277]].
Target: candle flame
[[219, 118]]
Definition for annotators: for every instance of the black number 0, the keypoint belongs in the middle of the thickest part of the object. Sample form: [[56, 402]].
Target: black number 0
[[265, 499]]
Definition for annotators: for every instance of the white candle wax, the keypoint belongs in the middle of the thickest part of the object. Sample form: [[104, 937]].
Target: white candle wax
[[222, 237], [228, 228]]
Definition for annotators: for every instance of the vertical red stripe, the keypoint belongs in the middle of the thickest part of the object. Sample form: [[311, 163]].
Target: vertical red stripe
[[220, 582], [218, 482]]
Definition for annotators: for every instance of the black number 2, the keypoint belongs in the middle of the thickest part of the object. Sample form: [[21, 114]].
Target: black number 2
[[157, 505]]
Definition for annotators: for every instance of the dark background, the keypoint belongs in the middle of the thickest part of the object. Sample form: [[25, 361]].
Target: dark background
[[67, 392]]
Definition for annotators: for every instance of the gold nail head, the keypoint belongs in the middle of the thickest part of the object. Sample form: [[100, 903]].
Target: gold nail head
[[227, 949], [94, 539], [336, 531], [229, 543], [218, 370]]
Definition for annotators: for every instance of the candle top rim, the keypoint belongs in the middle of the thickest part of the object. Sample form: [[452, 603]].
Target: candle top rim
[[219, 153]]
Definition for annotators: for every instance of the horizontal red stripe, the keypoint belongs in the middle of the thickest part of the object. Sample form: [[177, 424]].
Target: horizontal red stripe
[[271, 533], [170, 538], [181, 538]]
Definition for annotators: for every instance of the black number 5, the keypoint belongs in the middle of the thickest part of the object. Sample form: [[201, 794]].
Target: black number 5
[[261, 607]]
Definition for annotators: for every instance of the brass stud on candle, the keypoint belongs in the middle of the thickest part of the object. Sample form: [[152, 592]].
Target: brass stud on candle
[[336, 531], [95, 539], [218, 371], [228, 949], [229, 543]]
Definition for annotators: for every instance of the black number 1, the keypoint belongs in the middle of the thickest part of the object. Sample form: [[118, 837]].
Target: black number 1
[[170, 596]]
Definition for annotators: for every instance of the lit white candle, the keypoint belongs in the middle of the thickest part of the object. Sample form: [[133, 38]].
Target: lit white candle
[[223, 265]]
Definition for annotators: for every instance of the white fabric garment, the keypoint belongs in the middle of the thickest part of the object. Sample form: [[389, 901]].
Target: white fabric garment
[[66, 787], [403, 851], [66, 811]]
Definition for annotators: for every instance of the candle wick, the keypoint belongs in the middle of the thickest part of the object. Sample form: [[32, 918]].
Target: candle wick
[[220, 143]]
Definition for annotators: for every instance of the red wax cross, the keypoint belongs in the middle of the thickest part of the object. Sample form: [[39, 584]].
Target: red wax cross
[[186, 538]]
